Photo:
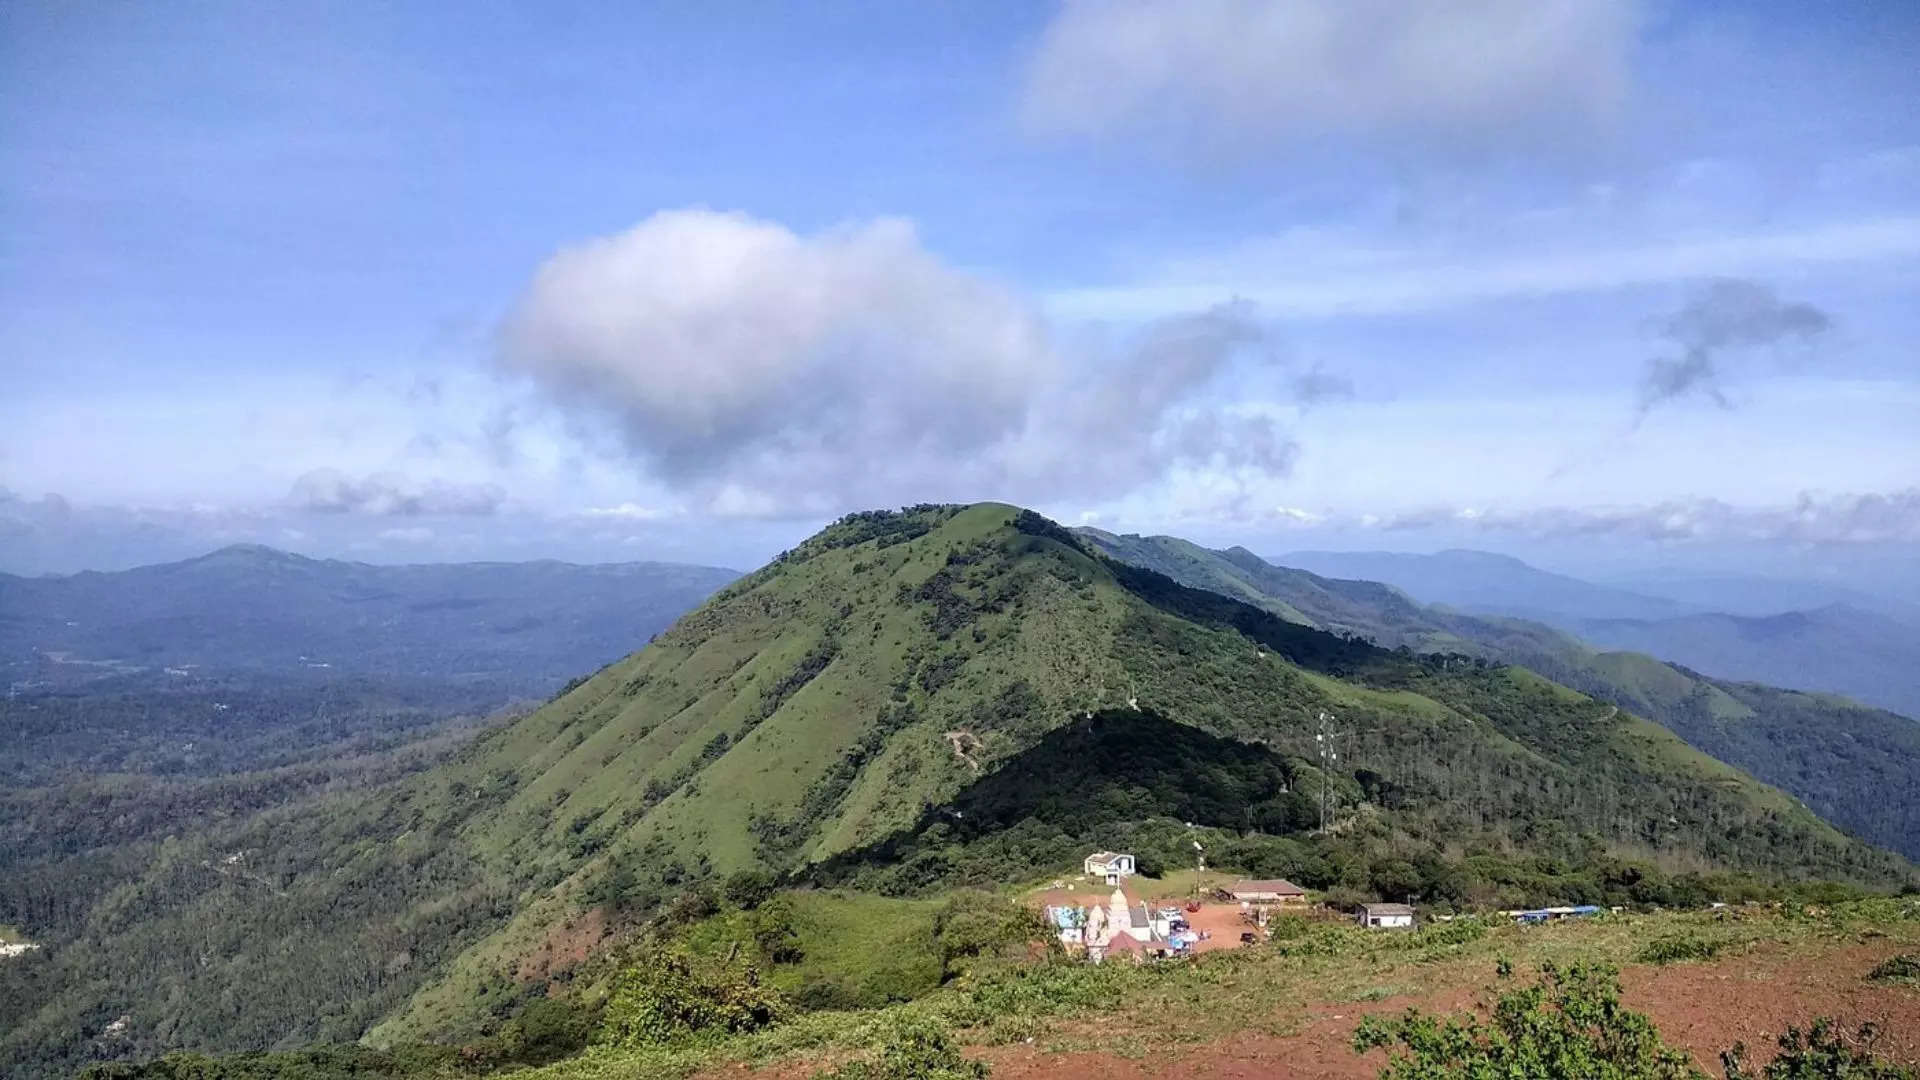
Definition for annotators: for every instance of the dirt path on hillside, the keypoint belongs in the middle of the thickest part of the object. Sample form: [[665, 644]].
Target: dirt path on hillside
[[1701, 1007], [960, 741]]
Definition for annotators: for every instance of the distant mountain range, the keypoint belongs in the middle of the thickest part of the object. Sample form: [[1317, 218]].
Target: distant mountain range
[[1485, 582], [1854, 765], [1837, 646], [523, 628]]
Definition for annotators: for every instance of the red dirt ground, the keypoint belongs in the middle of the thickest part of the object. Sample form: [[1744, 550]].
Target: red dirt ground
[[1702, 1007]]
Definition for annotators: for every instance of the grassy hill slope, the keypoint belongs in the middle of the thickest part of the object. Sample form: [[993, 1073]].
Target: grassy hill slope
[[1854, 765], [826, 702], [823, 707]]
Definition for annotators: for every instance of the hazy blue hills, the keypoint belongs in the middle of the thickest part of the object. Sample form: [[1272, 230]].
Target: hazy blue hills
[[1485, 582], [1838, 648], [1746, 594], [524, 628]]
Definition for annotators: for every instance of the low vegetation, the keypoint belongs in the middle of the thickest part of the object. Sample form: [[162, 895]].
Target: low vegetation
[[1823, 1051], [703, 1010], [1902, 968], [916, 1049], [1669, 950], [1570, 1024]]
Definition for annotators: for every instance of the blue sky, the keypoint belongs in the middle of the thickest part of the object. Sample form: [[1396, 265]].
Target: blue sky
[[1601, 283]]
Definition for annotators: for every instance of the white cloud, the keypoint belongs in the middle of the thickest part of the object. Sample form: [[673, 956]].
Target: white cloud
[[628, 511], [412, 534], [1314, 274], [1243, 75], [719, 339], [764, 373], [389, 494]]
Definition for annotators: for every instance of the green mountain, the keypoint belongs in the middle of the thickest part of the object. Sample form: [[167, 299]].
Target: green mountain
[[904, 699], [1854, 765]]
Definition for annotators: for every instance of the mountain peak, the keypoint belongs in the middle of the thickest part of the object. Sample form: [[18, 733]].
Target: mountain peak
[[1483, 558], [247, 555]]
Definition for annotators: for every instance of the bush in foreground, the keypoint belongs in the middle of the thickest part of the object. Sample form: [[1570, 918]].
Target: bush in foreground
[[1669, 950], [916, 1049], [1569, 1024], [661, 999], [1902, 968], [1825, 1051]]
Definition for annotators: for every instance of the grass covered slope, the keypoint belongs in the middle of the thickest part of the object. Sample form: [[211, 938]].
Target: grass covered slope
[[828, 701], [822, 707], [1855, 765]]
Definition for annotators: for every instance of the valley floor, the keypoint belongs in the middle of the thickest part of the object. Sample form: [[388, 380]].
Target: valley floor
[[1292, 1017]]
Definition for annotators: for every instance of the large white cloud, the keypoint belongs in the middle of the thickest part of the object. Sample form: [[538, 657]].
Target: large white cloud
[[766, 373], [719, 339], [1244, 74]]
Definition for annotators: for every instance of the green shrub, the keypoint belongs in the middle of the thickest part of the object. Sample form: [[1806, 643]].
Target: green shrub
[[975, 923], [748, 889], [1043, 990], [917, 1048], [1822, 1052], [774, 933], [1902, 968], [1340, 940], [1569, 1024], [1668, 950], [345, 1062], [544, 1031], [1288, 927], [662, 1000], [1457, 932]]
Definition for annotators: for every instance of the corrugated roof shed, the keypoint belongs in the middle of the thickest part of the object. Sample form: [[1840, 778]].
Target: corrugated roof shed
[[1266, 886]]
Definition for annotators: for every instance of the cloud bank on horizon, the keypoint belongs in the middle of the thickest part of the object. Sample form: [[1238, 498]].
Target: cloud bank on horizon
[[1582, 269]]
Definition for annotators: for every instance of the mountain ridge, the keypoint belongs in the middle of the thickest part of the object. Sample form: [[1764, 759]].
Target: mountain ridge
[[815, 710], [526, 626], [1485, 581], [1866, 781], [1841, 645], [1018, 628]]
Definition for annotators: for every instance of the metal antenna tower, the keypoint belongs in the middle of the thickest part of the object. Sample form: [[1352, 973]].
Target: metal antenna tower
[[1329, 757]]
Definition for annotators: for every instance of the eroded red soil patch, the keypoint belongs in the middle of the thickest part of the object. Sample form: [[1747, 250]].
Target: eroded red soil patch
[[566, 945], [1703, 1008]]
